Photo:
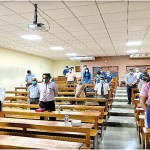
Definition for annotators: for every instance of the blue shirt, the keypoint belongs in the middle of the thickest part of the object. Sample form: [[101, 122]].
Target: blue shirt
[[108, 78], [65, 71], [141, 75], [29, 77], [130, 78], [34, 91], [103, 74], [87, 77]]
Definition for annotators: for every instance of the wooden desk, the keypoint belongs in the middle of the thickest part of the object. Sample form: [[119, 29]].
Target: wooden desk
[[50, 127], [86, 99], [7, 141], [11, 98], [82, 115]]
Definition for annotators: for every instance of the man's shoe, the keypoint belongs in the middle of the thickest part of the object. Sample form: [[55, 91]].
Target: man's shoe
[[129, 103]]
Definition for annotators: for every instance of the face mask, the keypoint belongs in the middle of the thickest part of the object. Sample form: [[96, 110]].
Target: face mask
[[131, 72], [79, 82], [70, 71], [34, 82], [137, 71], [46, 80], [101, 81], [97, 75], [144, 79], [86, 70]]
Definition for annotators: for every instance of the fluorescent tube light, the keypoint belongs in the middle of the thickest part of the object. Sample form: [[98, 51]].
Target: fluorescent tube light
[[31, 37]]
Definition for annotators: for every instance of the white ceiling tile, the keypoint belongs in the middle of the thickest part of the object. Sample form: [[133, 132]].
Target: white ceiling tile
[[10, 28], [107, 8], [139, 5], [20, 6], [139, 14], [90, 19], [85, 10], [74, 28], [47, 5], [137, 28], [79, 3], [5, 11], [59, 13], [14, 19], [116, 24], [115, 17], [97, 26], [139, 22], [68, 22]]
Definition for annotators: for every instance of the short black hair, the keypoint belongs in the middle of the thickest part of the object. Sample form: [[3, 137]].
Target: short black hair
[[85, 66], [66, 66], [47, 74], [29, 71]]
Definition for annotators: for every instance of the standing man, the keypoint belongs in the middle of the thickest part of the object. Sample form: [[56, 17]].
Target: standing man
[[102, 73], [102, 90], [66, 70], [48, 92], [130, 80], [108, 76], [29, 78], [34, 93], [137, 73], [2, 96], [83, 71]]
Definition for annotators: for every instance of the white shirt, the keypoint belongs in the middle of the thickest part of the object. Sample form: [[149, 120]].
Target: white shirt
[[137, 74], [50, 89], [2, 93], [98, 88]]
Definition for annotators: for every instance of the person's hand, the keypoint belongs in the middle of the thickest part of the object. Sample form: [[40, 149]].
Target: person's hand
[[130, 85]]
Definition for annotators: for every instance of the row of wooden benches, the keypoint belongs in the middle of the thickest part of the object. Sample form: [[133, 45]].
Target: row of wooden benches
[[143, 132]]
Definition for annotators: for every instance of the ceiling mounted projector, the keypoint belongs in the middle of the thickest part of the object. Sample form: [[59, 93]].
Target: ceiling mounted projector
[[35, 25], [82, 58]]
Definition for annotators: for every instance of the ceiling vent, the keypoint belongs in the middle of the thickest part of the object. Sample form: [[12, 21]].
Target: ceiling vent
[[82, 58], [139, 55]]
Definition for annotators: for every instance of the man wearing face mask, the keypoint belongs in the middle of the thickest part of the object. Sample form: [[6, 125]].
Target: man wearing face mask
[[137, 73], [97, 77], [108, 77], [48, 92], [34, 92], [70, 77], [131, 81], [144, 73], [142, 82], [29, 77], [102, 73], [102, 89], [80, 90]]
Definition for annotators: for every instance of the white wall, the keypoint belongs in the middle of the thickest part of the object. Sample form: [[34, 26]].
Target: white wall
[[14, 65], [59, 66]]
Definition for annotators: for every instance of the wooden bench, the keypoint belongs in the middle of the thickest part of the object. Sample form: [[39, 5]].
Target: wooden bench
[[83, 116], [15, 142], [50, 127]]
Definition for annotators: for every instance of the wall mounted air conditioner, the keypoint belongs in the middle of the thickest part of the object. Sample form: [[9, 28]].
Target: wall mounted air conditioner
[[82, 58], [139, 55]]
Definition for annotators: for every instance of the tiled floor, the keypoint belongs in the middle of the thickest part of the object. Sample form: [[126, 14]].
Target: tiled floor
[[120, 138], [121, 131]]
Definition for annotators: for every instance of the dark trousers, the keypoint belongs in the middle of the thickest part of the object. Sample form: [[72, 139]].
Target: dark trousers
[[50, 106], [129, 92], [34, 101], [104, 96]]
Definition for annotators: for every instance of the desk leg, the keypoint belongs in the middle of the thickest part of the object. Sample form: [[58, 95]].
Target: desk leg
[[24, 131], [147, 145], [95, 146]]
